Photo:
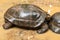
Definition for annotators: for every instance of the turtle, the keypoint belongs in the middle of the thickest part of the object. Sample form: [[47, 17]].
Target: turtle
[[55, 23], [26, 16]]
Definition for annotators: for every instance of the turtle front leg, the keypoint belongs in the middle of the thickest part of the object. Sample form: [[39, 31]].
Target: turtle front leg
[[43, 29], [7, 25]]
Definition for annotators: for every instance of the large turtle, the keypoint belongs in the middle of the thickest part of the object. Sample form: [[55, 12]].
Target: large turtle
[[27, 16]]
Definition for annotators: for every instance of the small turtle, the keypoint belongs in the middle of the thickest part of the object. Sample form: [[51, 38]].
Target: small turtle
[[55, 23], [27, 16]]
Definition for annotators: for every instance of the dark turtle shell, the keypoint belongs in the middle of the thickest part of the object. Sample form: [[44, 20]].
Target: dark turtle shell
[[26, 15], [56, 17], [55, 22]]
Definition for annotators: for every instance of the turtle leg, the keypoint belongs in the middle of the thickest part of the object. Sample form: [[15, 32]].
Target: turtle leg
[[7, 25], [43, 28]]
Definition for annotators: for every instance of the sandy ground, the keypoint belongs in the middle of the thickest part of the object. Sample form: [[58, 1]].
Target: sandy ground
[[21, 34]]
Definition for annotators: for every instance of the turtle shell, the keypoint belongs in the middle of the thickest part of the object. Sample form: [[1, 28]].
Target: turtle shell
[[55, 23], [56, 18], [26, 15]]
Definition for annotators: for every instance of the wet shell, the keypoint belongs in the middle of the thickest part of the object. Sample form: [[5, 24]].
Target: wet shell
[[26, 15], [55, 23]]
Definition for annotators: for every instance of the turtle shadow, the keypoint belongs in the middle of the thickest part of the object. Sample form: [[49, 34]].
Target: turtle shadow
[[28, 28]]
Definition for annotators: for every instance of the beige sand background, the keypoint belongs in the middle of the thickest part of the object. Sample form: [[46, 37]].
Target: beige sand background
[[20, 34]]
